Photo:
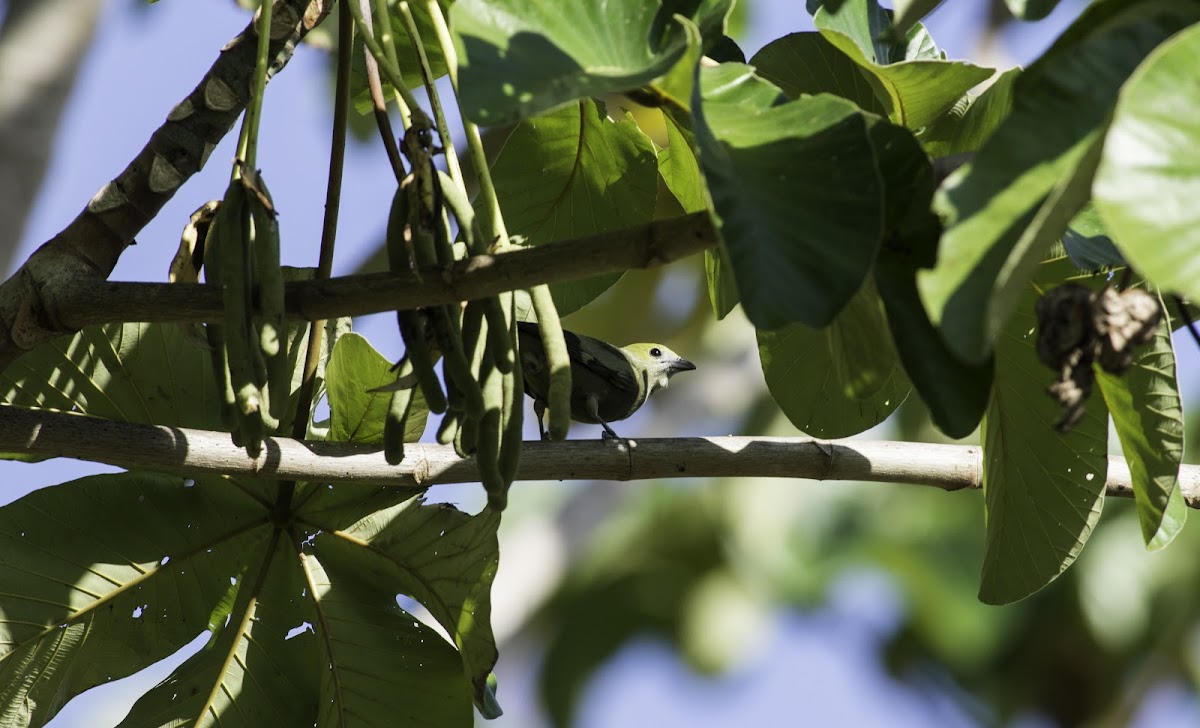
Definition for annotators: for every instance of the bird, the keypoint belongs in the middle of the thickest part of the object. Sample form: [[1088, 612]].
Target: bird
[[608, 383]]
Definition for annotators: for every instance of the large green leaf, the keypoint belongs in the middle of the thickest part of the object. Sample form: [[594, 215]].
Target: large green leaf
[[1007, 206], [1043, 490], [575, 172], [968, 125], [912, 79], [443, 558], [130, 372], [1149, 178], [108, 574], [1148, 415], [386, 668], [520, 58], [955, 391], [136, 372], [840, 380], [797, 191], [807, 63], [253, 671], [356, 413], [680, 170]]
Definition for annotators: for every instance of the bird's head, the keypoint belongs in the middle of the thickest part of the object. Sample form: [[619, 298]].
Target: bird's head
[[656, 363]]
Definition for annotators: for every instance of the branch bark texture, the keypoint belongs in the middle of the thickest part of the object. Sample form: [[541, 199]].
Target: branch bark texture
[[656, 243], [192, 452]]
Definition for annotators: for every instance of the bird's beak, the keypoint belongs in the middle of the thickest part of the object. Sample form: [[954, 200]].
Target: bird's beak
[[682, 365]]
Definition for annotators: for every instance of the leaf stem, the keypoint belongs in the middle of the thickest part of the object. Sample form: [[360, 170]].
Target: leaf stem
[[389, 66], [248, 140], [439, 116], [474, 142]]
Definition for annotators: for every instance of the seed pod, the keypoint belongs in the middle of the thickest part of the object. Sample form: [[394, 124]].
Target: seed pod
[[234, 224], [454, 360], [272, 329], [457, 203], [558, 362], [396, 421], [417, 349]]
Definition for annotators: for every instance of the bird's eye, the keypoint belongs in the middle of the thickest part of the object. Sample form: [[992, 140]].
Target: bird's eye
[[656, 352]]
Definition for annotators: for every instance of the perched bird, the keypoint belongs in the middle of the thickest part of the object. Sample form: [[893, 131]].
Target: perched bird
[[607, 383]]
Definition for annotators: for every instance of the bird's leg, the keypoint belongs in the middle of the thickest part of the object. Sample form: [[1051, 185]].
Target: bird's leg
[[593, 406], [539, 409]]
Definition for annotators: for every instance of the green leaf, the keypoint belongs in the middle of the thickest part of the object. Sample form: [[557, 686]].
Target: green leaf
[[1043, 490], [674, 88], [1148, 415], [1087, 243], [574, 172], [838, 381], [913, 80], [865, 24], [108, 574], [356, 414], [968, 125], [1149, 177], [797, 191], [385, 667], [681, 173], [446, 560], [132, 372], [254, 672], [956, 392], [138, 372], [807, 63], [1005, 209], [519, 58]]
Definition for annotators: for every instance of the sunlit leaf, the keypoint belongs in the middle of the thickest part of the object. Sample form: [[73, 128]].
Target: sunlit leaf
[[1147, 413], [1149, 179], [356, 414], [1006, 207], [574, 172], [912, 79], [520, 58]]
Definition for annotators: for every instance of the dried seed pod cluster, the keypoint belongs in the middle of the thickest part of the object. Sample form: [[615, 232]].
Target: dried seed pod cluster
[[1078, 326]]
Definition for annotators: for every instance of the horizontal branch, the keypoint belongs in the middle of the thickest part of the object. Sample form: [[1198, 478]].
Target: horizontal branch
[[194, 452], [645, 246]]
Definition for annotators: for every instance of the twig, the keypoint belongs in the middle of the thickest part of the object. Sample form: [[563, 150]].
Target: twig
[[333, 197], [196, 452], [657, 243], [1181, 309]]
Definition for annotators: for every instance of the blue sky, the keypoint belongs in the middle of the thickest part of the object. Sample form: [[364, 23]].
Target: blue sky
[[821, 664]]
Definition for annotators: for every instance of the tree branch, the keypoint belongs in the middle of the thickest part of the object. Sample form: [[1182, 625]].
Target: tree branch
[[193, 452], [645, 246], [88, 248]]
